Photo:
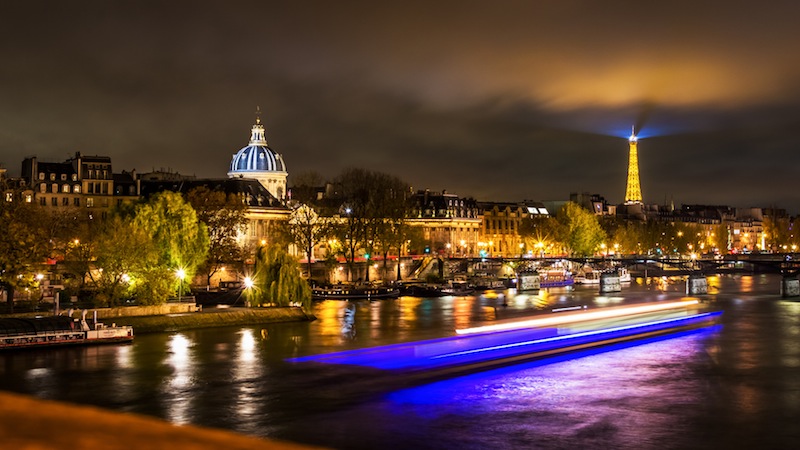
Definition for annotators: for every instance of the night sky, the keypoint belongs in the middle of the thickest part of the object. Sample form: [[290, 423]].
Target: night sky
[[500, 100]]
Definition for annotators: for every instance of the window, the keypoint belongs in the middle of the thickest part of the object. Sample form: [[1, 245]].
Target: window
[[65, 201], [43, 188], [9, 196], [74, 177], [28, 198], [76, 201], [63, 177], [90, 202], [54, 201], [52, 177], [54, 188], [90, 188], [65, 189], [41, 175], [76, 189], [43, 201]]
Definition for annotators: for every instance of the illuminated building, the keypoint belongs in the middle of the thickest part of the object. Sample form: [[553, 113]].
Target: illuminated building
[[450, 224], [500, 227], [633, 190], [80, 182], [259, 162]]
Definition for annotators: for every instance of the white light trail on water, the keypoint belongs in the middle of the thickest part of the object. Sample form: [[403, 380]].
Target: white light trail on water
[[605, 313]]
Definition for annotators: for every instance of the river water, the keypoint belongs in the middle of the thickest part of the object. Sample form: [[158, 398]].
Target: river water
[[732, 386]]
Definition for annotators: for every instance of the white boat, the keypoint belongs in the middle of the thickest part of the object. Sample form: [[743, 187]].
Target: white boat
[[624, 275], [58, 330], [587, 275]]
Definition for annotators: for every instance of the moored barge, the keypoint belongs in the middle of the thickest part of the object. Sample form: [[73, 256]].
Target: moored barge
[[345, 292], [58, 330]]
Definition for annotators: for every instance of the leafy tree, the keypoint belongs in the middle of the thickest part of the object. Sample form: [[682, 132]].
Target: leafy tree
[[182, 240], [539, 231], [225, 218], [778, 231], [153, 285], [582, 230], [277, 279], [126, 259], [23, 244]]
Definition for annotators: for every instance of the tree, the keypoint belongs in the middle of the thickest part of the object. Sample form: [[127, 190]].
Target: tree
[[306, 229], [126, 260], [277, 279], [582, 230], [370, 205], [538, 232], [777, 231], [23, 244], [225, 218], [181, 239], [304, 187]]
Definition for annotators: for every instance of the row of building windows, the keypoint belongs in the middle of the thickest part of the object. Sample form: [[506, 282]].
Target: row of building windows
[[62, 177], [493, 224], [92, 188], [64, 201], [97, 188], [65, 188], [90, 173], [97, 174]]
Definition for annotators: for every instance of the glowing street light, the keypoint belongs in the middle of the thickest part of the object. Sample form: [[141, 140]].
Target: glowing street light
[[248, 286]]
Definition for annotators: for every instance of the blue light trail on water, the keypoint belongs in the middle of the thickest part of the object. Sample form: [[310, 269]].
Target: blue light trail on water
[[443, 391], [463, 350]]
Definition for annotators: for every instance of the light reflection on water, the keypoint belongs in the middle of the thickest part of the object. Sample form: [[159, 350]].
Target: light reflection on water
[[602, 399], [738, 387], [177, 385]]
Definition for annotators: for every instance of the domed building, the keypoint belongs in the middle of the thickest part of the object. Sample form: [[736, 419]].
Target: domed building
[[259, 162]]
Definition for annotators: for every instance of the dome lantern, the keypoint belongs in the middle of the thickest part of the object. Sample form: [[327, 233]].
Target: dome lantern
[[258, 161]]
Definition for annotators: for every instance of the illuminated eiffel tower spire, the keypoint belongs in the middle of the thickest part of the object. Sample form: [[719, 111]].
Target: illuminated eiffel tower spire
[[633, 191]]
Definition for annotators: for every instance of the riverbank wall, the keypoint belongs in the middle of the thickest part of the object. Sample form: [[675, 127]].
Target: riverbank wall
[[185, 316], [214, 318]]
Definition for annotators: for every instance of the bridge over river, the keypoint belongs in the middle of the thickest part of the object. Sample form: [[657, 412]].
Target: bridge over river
[[640, 265]]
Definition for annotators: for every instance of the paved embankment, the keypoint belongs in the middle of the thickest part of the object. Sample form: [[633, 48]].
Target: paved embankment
[[212, 318], [28, 423]]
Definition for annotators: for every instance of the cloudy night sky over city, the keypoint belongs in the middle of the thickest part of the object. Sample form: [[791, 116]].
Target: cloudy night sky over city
[[500, 101]]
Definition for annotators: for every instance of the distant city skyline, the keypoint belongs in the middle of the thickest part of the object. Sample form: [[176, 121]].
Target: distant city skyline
[[515, 101]]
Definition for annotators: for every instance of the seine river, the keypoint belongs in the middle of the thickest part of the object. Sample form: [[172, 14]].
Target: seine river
[[733, 386]]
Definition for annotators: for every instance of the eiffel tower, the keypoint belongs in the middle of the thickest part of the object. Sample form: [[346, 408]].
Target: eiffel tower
[[633, 191]]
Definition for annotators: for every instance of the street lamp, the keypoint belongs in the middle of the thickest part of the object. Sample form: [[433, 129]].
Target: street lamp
[[248, 285], [180, 273]]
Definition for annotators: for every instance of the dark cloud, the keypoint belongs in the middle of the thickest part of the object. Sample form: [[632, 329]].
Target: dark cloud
[[508, 100]]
